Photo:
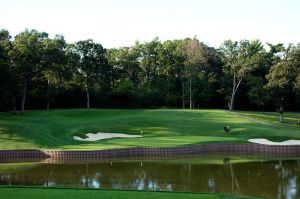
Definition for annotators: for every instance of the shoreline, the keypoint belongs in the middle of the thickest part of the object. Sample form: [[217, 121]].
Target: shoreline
[[222, 149]]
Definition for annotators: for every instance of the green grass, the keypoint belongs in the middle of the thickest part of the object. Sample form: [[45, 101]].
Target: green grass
[[54, 129], [37, 193], [290, 118]]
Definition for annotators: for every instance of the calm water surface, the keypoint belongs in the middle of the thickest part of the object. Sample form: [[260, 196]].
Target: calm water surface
[[270, 179]]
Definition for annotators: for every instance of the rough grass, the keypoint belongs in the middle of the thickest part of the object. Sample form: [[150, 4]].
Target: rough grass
[[54, 129], [290, 118], [37, 193]]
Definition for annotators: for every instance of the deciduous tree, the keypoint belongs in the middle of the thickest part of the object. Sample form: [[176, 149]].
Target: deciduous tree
[[240, 60], [25, 55], [91, 63]]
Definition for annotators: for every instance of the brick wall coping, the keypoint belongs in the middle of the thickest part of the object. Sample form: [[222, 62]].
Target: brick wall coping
[[222, 149]]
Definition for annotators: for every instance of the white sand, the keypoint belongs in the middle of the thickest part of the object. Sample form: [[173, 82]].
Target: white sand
[[101, 136], [268, 142]]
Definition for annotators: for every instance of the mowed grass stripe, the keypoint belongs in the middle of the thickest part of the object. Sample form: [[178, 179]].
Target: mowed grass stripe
[[55, 129]]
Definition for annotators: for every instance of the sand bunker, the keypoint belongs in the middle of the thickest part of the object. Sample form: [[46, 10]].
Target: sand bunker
[[268, 142], [101, 136]]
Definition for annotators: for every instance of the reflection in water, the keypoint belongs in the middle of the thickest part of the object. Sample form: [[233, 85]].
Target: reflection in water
[[272, 179]]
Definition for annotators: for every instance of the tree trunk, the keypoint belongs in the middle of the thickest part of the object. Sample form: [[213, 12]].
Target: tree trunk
[[87, 92], [234, 89], [191, 97], [182, 90], [24, 95], [48, 104], [231, 106], [281, 111], [281, 118], [281, 115], [14, 104], [87, 97], [48, 95]]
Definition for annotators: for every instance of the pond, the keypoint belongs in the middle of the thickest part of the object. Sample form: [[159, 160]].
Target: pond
[[264, 178]]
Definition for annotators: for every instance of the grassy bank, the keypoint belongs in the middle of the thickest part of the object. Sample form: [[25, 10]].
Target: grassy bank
[[290, 118], [37, 193], [55, 129]]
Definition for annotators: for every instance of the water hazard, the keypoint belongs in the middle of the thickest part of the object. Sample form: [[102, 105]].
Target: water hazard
[[270, 179]]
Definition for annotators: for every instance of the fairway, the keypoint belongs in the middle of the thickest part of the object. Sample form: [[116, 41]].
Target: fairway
[[161, 127]]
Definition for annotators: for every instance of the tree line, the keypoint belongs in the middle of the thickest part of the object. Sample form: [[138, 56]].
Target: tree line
[[38, 72]]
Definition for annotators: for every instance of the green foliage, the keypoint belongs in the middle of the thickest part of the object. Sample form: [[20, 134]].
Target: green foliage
[[5, 82], [54, 63], [284, 74], [90, 64], [149, 61], [173, 73], [6, 77], [91, 61], [257, 93], [240, 60], [125, 64], [26, 53]]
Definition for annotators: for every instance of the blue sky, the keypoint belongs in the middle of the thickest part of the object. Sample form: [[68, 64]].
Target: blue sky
[[115, 23]]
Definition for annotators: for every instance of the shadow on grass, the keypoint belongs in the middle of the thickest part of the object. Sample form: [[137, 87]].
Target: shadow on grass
[[161, 127]]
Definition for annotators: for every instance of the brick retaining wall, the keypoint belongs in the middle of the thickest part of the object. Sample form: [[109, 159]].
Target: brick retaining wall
[[22, 155], [228, 149]]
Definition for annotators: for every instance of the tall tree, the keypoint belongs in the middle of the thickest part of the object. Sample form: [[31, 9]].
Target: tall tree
[[194, 59], [240, 60], [91, 63], [26, 55], [257, 93], [294, 57], [149, 61], [181, 69], [171, 71], [283, 75], [207, 76], [117, 70], [6, 75], [125, 64], [54, 65]]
